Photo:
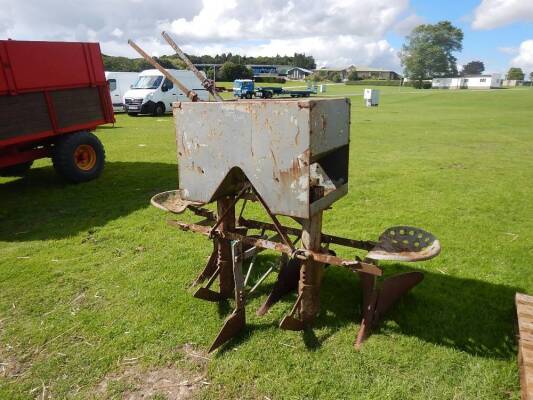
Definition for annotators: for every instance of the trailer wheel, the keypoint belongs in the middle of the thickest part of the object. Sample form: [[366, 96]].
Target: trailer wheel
[[16, 170], [79, 157], [159, 109]]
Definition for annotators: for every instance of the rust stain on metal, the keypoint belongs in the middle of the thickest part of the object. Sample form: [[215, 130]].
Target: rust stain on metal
[[307, 104], [297, 136]]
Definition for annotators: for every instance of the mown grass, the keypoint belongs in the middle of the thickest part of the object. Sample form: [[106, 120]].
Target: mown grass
[[92, 277]]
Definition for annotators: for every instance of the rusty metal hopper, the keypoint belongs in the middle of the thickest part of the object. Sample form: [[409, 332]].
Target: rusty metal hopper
[[283, 147]]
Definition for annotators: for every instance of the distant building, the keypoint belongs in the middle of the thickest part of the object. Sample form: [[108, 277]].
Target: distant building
[[343, 72], [447, 83], [512, 83], [362, 72], [298, 73], [376, 73], [262, 71], [468, 82]]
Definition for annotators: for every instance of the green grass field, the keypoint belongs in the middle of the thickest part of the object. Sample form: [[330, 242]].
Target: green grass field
[[94, 284]]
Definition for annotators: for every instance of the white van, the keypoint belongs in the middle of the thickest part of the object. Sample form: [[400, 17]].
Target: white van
[[119, 84], [154, 94]]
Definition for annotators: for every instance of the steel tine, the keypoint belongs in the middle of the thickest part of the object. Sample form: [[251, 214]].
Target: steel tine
[[210, 267], [237, 320], [205, 293], [249, 270], [286, 282], [289, 322], [260, 280]]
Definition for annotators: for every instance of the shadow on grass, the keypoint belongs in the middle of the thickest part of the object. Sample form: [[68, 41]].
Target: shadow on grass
[[465, 314], [469, 315], [43, 206]]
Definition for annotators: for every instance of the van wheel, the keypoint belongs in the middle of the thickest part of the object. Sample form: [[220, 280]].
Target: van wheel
[[16, 170], [159, 109], [133, 114], [79, 157]]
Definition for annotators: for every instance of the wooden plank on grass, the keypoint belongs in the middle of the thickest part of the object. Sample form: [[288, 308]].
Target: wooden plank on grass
[[524, 310]]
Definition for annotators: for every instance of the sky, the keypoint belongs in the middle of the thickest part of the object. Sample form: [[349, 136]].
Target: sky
[[336, 32]]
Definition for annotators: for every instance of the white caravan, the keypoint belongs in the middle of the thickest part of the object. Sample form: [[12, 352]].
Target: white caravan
[[119, 84], [493, 81], [154, 94]]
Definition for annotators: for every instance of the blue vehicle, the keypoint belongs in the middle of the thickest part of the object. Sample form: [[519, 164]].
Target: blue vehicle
[[245, 89]]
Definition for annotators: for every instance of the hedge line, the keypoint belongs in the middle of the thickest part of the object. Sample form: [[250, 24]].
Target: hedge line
[[375, 82]]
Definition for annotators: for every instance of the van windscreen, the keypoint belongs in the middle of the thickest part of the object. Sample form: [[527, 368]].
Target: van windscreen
[[148, 82]]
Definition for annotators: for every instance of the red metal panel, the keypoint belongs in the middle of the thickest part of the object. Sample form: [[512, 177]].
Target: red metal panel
[[6, 78], [15, 158], [52, 65]]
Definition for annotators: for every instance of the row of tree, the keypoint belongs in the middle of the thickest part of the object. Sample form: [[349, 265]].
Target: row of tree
[[112, 63], [296, 60], [229, 71], [124, 64]]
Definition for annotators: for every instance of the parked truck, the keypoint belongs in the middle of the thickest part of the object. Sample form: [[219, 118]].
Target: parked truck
[[246, 89], [52, 95]]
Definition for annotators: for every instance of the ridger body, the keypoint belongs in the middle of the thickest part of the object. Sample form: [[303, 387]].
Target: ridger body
[[292, 158]]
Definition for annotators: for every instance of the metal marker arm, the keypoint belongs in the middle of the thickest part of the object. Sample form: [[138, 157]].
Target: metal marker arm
[[189, 93], [206, 83]]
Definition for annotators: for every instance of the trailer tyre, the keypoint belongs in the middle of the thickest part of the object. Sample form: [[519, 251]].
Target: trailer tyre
[[16, 170], [79, 157]]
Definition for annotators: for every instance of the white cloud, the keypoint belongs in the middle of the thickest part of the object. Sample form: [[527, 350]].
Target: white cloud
[[406, 25], [276, 19], [495, 13], [210, 22], [98, 20], [117, 32], [524, 59], [335, 32]]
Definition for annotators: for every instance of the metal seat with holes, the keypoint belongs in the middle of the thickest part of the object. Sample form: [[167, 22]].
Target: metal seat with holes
[[405, 243]]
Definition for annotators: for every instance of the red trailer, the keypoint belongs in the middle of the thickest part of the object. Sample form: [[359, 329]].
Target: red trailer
[[52, 95]]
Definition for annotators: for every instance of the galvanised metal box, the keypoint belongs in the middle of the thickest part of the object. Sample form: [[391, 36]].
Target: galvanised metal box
[[283, 147]]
